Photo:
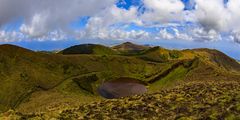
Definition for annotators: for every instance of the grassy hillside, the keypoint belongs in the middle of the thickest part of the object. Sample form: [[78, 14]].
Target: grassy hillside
[[39, 82], [24, 73], [159, 54], [211, 100], [195, 100], [129, 48], [88, 49], [219, 59]]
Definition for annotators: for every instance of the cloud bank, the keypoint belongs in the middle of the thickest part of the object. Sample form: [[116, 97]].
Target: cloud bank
[[41, 17], [194, 20]]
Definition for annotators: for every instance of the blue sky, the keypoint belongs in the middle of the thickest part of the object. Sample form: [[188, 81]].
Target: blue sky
[[175, 24]]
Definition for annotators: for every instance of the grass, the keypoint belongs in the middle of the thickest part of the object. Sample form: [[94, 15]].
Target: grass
[[40, 82], [66, 95], [194, 100], [31, 72], [129, 49], [88, 49], [171, 79], [214, 101]]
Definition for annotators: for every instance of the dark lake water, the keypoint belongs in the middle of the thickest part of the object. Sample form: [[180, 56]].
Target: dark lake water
[[121, 87]]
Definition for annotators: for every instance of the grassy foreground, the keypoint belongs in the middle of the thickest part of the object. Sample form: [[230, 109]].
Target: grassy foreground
[[195, 100]]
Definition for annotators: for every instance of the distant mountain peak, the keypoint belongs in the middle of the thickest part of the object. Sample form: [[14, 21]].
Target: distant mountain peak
[[128, 46], [128, 43]]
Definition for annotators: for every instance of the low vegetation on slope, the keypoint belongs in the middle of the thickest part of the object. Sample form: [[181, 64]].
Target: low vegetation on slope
[[88, 49], [219, 59], [24, 74], [159, 54], [195, 100], [40, 82], [129, 48]]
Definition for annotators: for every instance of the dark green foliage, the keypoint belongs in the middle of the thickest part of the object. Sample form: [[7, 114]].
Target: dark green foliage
[[175, 54], [155, 54], [86, 81], [151, 50], [88, 49]]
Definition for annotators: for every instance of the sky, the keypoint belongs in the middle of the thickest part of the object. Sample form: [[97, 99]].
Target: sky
[[174, 24]]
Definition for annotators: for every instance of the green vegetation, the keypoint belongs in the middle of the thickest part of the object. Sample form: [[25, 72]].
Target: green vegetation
[[88, 49], [212, 100], [171, 79], [194, 100], [24, 73], [129, 48], [40, 82], [85, 82], [175, 54]]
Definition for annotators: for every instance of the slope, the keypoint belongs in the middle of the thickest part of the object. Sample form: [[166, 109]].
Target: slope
[[24, 72], [195, 100], [88, 49], [35, 81], [129, 48]]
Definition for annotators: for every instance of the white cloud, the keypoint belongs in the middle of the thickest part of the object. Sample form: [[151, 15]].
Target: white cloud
[[37, 27], [199, 34], [10, 36], [214, 14], [182, 36], [162, 11], [114, 15], [114, 34], [50, 19], [104, 25], [164, 34], [41, 17], [235, 36], [188, 34]]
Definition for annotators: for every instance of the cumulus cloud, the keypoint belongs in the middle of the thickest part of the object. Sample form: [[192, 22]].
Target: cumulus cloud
[[10, 36], [104, 25], [162, 11], [216, 14], [41, 17], [235, 36], [188, 34], [164, 34], [212, 14], [219, 16], [114, 34], [199, 34], [50, 19], [113, 15]]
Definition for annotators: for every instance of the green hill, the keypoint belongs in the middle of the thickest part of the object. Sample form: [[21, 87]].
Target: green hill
[[88, 49], [220, 59], [158, 54], [26, 75], [129, 48], [41, 82]]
